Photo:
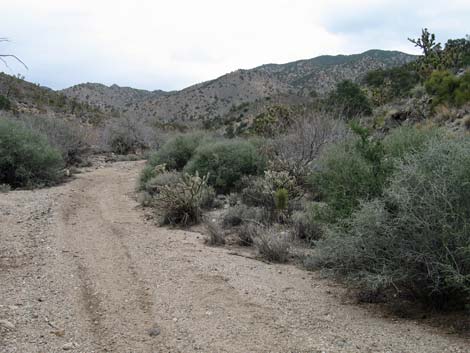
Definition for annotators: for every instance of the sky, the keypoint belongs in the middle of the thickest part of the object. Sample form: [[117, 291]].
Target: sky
[[169, 45]]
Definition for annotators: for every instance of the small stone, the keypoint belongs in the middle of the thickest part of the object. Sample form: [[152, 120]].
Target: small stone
[[68, 346], [154, 331], [7, 324], [59, 333], [175, 319]]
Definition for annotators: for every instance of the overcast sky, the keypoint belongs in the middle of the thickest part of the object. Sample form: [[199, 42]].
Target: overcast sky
[[172, 44]]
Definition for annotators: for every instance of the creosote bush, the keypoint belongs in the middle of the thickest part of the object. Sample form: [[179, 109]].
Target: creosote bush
[[177, 151], [26, 158], [359, 168], [415, 238], [226, 162], [69, 137], [173, 155]]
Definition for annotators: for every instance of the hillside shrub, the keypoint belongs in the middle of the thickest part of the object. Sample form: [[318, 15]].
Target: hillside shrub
[[173, 155], [226, 162], [447, 88], [388, 84], [69, 137], [177, 151], [26, 158], [416, 238], [242, 214], [359, 169], [128, 134], [350, 99], [5, 103]]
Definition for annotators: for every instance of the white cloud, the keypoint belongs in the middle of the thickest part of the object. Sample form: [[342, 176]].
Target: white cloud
[[170, 44]]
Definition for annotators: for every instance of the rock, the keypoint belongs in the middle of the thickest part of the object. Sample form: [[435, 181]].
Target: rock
[[68, 346], [154, 331], [7, 324], [59, 333]]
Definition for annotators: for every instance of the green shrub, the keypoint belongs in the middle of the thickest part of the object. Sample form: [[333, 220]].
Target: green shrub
[[281, 199], [226, 162], [176, 152], [352, 101], [360, 168], [403, 140], [345, 177], [68, 137], [5, 103], [392, 83], [446, 88], [416, 238], [173, 155], [26, 158]]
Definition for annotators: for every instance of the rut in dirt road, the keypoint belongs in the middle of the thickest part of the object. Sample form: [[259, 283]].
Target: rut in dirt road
[[81, 269]]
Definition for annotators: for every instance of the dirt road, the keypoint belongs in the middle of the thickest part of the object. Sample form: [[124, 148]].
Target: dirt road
[[82, 271]]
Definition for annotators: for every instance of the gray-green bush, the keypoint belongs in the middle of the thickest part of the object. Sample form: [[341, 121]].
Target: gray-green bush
[[416, 238], [226, 162], [359, 169], [26, 158], [174, 155]]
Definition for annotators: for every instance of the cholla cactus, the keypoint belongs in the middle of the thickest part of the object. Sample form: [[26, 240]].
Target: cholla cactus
[[181, 203]]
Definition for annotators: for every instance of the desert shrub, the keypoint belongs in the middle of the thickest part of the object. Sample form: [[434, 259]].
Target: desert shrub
[[26, 158], [216, 235], [128, 134], [247, 233], [275, 192], [447, 88], [181, 203], [226, 162], [305, 139], [154, 184], [392, 83], [359, 169], [415, 238], [5, 103], [4, 188], [273, 245], [240, 214], [345, 177], [350, 99], [177, 151], [403, 140], [69, 137], [306, 225]]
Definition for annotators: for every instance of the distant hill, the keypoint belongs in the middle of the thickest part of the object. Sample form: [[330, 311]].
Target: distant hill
[[217, 99], [29, 98]]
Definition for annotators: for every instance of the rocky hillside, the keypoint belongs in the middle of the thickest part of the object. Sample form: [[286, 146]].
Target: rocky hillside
[[20, 96], [217, 99]]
